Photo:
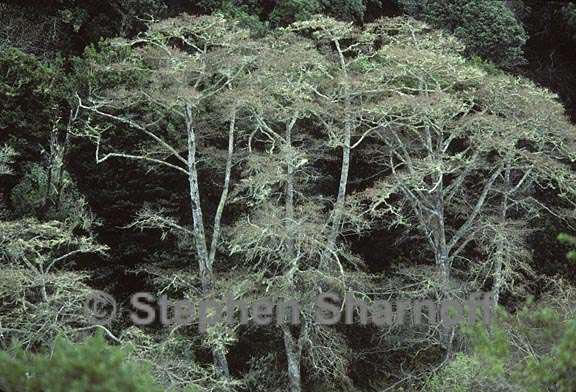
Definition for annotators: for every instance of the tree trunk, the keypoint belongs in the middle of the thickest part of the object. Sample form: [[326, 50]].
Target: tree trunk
[[500, 250], [60, 180], [446, 332], [205, 265], [443, 259], [289, 203], [50, 168], [338, 212], [342, 189], [225, 189], [293, 350]]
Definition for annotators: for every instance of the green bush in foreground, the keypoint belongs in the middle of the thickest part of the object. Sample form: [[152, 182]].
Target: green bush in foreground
[[531, 351], [93, 366]]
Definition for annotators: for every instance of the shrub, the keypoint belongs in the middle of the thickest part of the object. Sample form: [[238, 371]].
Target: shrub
[[533, 350], [93, 366], [457, 376]]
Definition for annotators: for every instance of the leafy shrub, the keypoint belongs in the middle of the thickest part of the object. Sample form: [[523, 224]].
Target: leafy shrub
[[557, 369], [92, 366], [457, 376], [533, 350]]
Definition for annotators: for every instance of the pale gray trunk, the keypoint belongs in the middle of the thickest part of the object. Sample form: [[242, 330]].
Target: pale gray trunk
[[60, 179], [290, 194], [500, 251], [342, 189], [292, 347], [50, 167], [338, 212], [442, 251], [446, 332], [293, 350], [443, 259], [198, 219], [225, 190], [204, 261]]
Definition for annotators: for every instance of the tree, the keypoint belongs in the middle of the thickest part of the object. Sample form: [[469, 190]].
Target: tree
[[179, 81], [285, 233], [489, 29], [346, 98], [463, 149], [306, 254], [40, 301]]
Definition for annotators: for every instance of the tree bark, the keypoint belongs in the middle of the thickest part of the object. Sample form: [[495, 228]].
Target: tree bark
[[289, 203], [50, 168], [205, 265], [498, 279], [225, 190], [198, 224], [293, 350], [338, 212], [60, 181]]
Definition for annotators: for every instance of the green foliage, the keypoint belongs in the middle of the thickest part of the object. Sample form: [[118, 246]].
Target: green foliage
[[92, 366], [350, 10], [293, 10], [63, 202], [557, 369], [488, 28], [491, 348], [95, 70], [28, 195], [37, 299], [247, 17], [571, 242], [283, 13], [533, 350], [570, 14], [7, 155], [30, 91], [456, 376]]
